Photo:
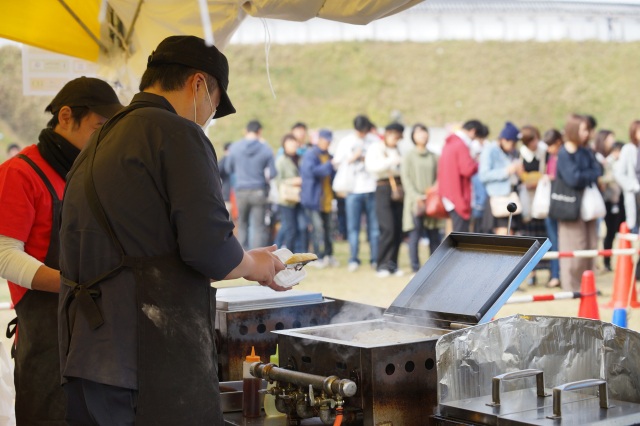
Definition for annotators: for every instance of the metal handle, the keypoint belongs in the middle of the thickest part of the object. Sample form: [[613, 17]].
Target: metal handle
[[582, 384], [331, 385], [520, 374]]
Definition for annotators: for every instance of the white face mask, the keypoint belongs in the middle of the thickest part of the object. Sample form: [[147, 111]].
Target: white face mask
[[195, 108]]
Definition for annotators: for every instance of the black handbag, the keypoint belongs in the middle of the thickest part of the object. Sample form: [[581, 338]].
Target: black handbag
[[565, 201]]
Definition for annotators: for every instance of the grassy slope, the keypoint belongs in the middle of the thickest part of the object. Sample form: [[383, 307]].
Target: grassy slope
[[436, 83]]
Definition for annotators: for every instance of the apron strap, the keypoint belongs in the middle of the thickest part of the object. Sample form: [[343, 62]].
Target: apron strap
[[40, 173], [84, 293], [94, 202], [12, 329], [89, 183]]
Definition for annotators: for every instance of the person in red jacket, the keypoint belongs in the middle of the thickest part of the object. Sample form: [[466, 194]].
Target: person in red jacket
[[31, 189], [455, 169]]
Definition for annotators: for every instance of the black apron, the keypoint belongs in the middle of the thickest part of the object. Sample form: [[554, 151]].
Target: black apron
[[39, 396], [177, 361]]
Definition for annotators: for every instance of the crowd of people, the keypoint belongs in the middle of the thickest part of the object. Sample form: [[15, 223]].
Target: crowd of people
[[315, 189], [112, 288]]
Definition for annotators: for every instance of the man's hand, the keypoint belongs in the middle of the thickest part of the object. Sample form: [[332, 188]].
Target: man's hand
[[276, 287], [264, 266], [357, 155]]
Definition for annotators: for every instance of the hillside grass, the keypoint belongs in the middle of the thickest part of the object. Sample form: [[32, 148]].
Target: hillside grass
[[438, 84], [434, 83]]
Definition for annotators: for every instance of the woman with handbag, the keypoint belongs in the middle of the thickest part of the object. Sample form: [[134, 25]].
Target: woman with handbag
[[498, 171], [293, 221], [383, 160], [553, 139], [533, 153], [578, 169], [419, 171]]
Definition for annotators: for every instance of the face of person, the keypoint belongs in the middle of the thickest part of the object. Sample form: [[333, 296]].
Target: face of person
[[205, 102], [609, 141], [421, 137], [615, 154], [300, 133], [13, 152], [554, 148], [533, 145], [507, 145], [584, 133], [638, 134], [291, 146], [391, 138], [80, 133], [323, 144]]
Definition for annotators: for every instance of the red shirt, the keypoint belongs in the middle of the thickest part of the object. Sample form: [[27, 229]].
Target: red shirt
[[26, 206], [455, 168]]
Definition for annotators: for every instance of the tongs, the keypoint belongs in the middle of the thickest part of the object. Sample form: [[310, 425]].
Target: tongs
[[298, 260]]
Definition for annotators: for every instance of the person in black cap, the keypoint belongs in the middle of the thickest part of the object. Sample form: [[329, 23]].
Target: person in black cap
[[144, 232], [31, 188]]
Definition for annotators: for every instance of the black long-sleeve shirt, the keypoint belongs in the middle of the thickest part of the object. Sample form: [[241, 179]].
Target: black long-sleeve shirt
[[157, 177]]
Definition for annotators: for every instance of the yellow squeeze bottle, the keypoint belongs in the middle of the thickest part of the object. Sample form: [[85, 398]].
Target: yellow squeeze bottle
[[270, 400]]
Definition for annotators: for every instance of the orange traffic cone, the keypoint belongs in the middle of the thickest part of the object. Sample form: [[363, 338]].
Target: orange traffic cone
[[588, 302], [623, 281]]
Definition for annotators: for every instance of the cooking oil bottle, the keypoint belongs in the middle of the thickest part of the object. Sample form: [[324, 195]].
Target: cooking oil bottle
[[270, 400], [250, 387]]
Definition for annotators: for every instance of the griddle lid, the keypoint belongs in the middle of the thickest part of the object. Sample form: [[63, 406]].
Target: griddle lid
[[468, 279]]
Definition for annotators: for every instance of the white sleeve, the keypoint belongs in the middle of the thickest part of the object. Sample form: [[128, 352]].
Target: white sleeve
[[344, 149], [375, 160], [624, 171], [16, 265]]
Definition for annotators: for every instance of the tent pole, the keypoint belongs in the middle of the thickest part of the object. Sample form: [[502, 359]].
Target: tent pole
[[133, 24], [84, 27]]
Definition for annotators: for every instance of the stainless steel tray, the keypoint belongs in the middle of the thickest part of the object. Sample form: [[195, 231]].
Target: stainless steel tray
[[467, 279], [258, 297]]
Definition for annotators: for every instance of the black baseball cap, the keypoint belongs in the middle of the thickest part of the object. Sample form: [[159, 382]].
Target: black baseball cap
[[192, 51], [93, 93]]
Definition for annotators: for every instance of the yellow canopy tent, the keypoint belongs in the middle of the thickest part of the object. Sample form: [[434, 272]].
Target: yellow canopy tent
[[120, 34]]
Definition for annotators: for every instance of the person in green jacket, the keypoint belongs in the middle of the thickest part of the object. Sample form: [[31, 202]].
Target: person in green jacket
[[419, 172], [293, 221]]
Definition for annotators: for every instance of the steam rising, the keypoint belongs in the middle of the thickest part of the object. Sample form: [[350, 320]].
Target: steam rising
[[356, 312]]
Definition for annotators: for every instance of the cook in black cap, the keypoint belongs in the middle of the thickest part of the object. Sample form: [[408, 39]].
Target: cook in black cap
[[152, 176], [193, 52], [92, 93], [31, 189]]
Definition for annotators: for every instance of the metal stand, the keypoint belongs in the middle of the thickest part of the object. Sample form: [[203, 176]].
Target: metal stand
[[511, 208]]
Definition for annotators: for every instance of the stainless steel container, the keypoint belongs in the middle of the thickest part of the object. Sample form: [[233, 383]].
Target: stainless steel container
[[539, 370], [245, 317], [465, 282]]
